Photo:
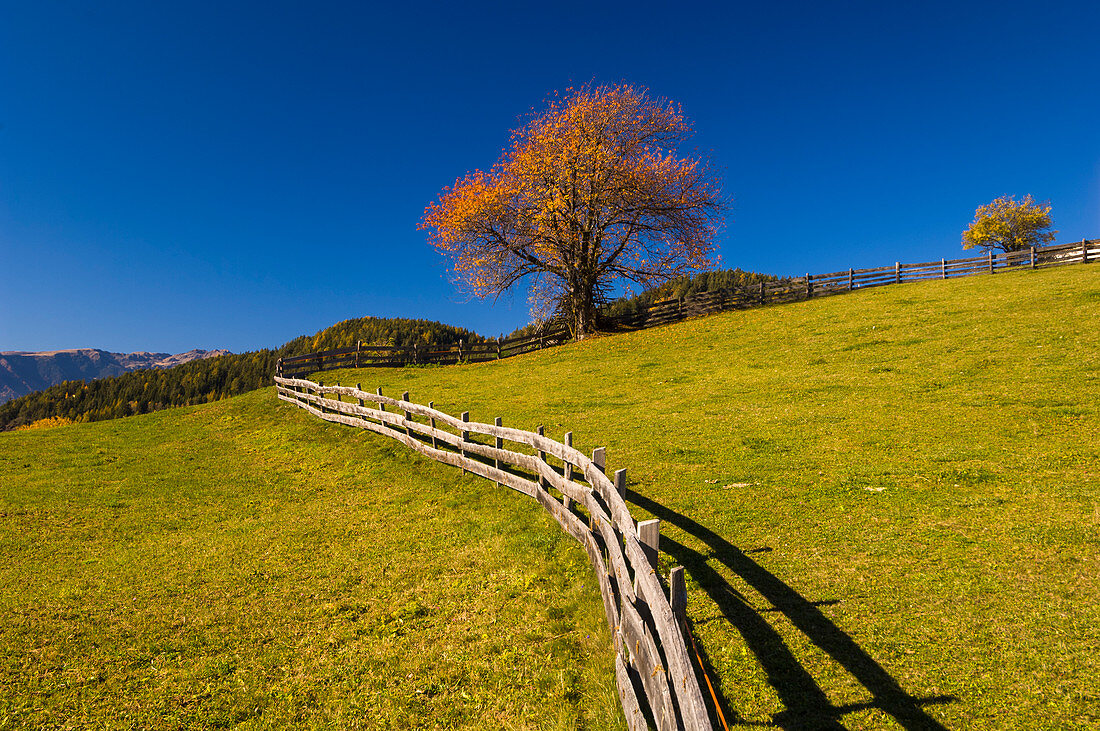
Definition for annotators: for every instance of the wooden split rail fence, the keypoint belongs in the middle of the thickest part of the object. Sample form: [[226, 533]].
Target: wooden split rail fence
[[820, 285], [654, 674], [371, 356], [789, 289]]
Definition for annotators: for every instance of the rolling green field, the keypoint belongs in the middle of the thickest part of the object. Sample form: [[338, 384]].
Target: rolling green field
[[887, 504], [240, 564]]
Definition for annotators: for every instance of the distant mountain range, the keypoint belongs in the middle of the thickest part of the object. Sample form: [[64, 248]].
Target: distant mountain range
[[22, 372]]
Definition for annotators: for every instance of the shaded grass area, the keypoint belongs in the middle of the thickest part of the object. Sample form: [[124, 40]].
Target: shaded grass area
[[887, 501], [241, 564]]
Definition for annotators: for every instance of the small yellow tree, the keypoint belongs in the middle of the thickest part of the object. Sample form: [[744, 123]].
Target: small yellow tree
[[1009, 225]]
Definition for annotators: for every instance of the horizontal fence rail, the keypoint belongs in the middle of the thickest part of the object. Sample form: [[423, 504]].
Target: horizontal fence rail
[[654, 674], [789, 289]]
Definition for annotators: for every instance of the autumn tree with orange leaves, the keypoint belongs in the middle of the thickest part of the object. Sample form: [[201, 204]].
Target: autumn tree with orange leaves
[[590, 192]]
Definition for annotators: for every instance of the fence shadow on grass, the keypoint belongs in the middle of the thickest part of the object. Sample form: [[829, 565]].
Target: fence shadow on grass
[[806, 704]]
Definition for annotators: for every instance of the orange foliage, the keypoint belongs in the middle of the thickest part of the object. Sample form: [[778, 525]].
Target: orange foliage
[[589, 192]]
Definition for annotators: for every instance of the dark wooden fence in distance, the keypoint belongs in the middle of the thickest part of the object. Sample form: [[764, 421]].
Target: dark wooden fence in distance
[[790, 289], [654, 672], [392, 356]]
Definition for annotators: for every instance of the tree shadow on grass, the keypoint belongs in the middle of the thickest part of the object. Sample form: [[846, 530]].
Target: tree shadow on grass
[[806, 704]]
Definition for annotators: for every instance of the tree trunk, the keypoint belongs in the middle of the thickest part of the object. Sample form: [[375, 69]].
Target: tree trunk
[[581, 311], [580, 324]]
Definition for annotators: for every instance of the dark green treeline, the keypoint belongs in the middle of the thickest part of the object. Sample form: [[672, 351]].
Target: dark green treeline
[[202, 381]]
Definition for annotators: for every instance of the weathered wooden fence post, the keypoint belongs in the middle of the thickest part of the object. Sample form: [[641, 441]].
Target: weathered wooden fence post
[[943, 268], [321, 397], [499, 443], [459, 351], [761, 291], [566, 500], [991, 261], [358, 347], [897, 272], [851, 278], [541, 431], [1084, 251], [465, 438], [1032, 257], [649, 535], [620, 482], [599, 458], [809, 286], [408, 414], [677, 593], [431, 423], [381, 406]]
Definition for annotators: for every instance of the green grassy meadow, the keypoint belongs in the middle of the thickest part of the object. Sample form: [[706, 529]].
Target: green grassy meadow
[[887, 504], [241, 564]]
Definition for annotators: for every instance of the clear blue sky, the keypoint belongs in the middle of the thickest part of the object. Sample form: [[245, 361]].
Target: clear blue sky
[[182, 175]]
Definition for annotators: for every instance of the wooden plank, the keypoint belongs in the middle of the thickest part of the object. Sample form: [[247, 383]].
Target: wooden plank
[[647, 660], [632, 711], [1061, 247], [967, 260], [385, 348], [533, 339], [615, 556], [314, 356], [670, 319], [680, 669], [877, 276], [965, 270], [875, 270], [910, 270]]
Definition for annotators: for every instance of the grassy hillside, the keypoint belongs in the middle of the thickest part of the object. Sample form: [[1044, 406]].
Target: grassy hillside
[[886, 501], [240, 563]]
